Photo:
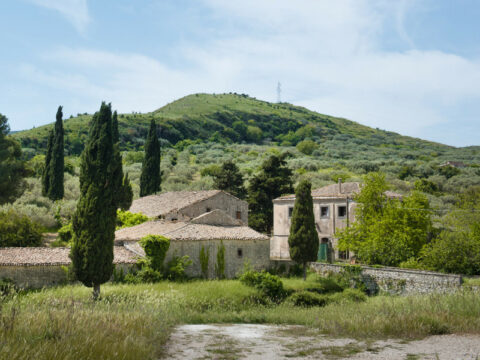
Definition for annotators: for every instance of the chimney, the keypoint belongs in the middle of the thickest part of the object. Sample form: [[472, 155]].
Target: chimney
[[340, 185]]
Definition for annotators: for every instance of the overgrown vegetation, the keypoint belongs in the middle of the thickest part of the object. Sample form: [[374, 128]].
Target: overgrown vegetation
[[18, 230]]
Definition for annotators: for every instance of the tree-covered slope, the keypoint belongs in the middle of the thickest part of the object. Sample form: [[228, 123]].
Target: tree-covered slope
[[228, 118]]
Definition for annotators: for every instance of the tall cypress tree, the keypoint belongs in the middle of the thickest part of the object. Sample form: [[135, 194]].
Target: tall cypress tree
[[303, 238], [150, 178], [123, 196], [94, 219], [56, 190], [46, 170]]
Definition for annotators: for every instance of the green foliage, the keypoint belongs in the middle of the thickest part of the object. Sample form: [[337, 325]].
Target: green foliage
[[270, 285], [220, 264], [127, 219], [94, 220], [307, 147], [176, 268], [448, 171], [307, 299], [274, 180], [65, 233], [56, 166], [303, 238], [230, 180], [426, 186], [12, 168], [132, 157], [18, 230], [150, 179], [47, 167], [204, 257], [211, 170], [387, 231], [156, 248]]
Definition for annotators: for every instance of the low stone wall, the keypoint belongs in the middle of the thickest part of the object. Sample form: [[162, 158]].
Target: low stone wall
[[398, 281], [34, 277]]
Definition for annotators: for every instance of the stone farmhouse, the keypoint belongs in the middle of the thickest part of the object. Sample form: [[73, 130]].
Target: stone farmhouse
[[190, 219], [333, 208], [196, 219]]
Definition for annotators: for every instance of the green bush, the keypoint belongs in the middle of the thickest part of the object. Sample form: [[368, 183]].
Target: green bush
[[204, 258], [348, 295], [127, 219], [65, 233], [326, 285], [7, 287], [176, 268], [307, 147], [270, 285], [220, 265], [156, 248], [18, 230], [307, 299]]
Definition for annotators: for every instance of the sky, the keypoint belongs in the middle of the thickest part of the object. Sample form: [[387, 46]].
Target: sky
[[409, 66]]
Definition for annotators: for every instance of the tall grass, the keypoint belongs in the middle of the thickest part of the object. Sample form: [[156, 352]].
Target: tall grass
[[134, 321]]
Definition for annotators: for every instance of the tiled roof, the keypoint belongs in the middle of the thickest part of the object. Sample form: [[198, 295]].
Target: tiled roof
[[338, 191], [161, 204], [188, 231], [37, 256]]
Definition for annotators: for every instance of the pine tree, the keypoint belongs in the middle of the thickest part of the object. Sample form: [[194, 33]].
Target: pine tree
[[303, 238], [230, 180], [95, 217], [56, 189], [150, 178], [46, 170], [123, 196], [274, 180]]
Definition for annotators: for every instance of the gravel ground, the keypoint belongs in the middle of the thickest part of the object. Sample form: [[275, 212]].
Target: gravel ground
[[264, 342]]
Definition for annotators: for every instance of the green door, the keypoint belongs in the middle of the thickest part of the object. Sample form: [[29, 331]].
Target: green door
[[323, 251]]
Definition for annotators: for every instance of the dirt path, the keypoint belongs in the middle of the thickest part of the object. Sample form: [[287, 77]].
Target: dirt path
[[297, 342]]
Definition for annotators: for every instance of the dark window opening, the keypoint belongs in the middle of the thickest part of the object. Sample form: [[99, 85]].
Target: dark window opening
[[324, 212], [239, 252], [174, 219], [208, 209], [343, 255], [239, 215], [342, 211], [290, 212], [324, 240]]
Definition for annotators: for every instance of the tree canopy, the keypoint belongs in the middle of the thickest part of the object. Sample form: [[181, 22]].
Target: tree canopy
[[229, 179], [150, 179], [273, 180]]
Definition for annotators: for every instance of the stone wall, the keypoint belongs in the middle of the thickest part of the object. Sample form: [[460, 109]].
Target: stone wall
[[34, 277], [398, 281], [237, 252], [39, 276]]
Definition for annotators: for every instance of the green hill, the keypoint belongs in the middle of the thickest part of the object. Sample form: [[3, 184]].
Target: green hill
[[229, 118]]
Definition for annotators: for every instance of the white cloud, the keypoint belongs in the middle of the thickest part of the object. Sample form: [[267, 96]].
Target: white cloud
[[75, 11], [327, 55]]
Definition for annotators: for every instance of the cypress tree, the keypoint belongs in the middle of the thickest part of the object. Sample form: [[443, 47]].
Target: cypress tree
[[123, 195], [46, 170], [95, 217], [150, 178], [56, 190], [230, 180], [303, 238]]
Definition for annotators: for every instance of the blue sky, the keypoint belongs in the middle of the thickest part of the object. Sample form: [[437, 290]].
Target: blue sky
[[410, 66]]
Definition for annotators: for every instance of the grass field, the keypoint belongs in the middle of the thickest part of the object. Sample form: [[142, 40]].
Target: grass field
[[134, 321]]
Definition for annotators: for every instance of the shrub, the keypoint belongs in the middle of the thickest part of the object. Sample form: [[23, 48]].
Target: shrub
[[270, 285], [326, 285], [307, 299], [347, 295], [128, 219], [220, 265], [7, 286], [65, 233], [156, 248], [307, 147], [176, 268], [18, 230], [204, 257]]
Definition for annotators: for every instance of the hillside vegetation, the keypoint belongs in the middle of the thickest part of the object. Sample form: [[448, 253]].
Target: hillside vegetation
[[229, 118]]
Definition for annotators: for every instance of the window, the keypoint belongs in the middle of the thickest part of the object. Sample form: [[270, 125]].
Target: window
[[343, 255], [208, 209], [342, 211], [290, 212], [324, 240], [324, 213], [239, 215], [239, 252]]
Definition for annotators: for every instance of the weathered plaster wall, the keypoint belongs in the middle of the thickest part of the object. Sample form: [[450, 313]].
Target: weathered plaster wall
[[223, 201], [399, 281], [326, 226], [256, 252]]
